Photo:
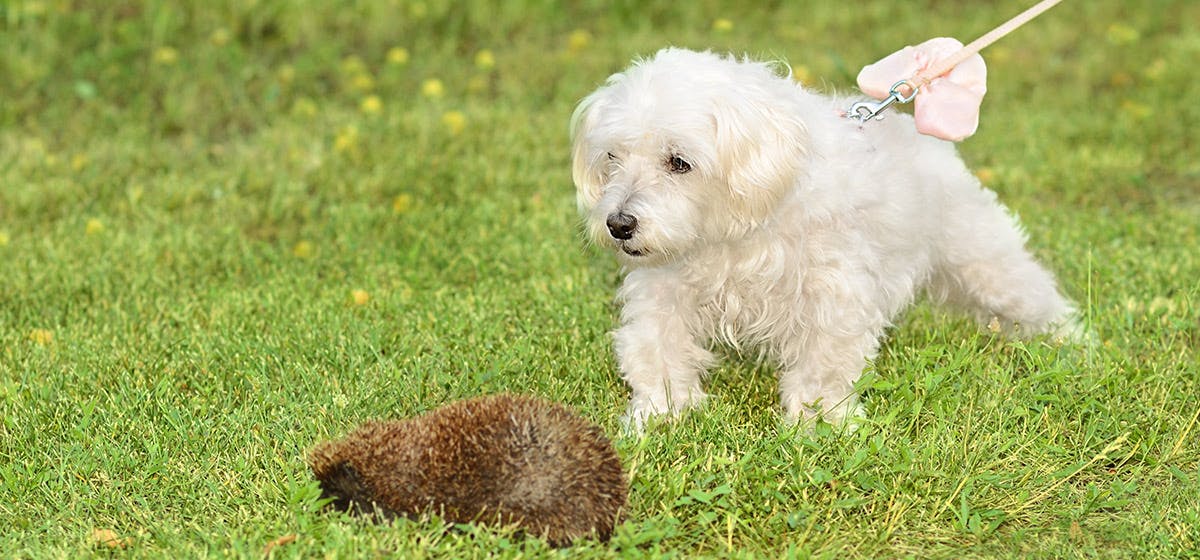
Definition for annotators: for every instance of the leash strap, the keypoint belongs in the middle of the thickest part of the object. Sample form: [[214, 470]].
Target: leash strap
[[904, 91]]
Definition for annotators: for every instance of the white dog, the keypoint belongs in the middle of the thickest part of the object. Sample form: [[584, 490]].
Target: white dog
[[747, 211]]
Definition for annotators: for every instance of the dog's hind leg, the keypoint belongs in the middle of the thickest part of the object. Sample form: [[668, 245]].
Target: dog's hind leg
[[984, 266]]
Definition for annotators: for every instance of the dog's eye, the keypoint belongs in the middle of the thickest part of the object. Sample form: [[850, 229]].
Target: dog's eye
[[612, 156], [678, 165]]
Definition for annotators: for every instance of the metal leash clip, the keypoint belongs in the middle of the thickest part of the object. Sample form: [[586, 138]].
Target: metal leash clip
[[864, 111]]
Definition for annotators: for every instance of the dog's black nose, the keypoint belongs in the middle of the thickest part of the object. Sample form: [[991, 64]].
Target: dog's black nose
[[621, 225]]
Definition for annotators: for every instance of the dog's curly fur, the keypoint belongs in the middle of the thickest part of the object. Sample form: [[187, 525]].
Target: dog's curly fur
[[747, 211]]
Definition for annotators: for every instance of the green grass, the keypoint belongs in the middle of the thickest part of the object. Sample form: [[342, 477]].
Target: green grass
[[191, 192]]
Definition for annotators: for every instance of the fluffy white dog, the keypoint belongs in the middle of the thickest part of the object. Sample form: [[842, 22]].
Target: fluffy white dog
[[747, 211]]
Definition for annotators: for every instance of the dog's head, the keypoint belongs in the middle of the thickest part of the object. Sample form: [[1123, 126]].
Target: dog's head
[[683, 149]]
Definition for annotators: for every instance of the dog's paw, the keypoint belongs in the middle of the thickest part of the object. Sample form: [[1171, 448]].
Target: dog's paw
[[1072, 329], [846, 416], [645, 410]]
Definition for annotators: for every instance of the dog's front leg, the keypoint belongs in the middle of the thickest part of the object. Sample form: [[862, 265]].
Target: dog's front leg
[[818, 378], [659, 350]]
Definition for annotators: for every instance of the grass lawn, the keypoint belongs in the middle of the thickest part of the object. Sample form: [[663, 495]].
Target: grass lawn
[[230, 229]]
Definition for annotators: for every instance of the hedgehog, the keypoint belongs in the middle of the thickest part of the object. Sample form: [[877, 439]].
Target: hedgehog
[[503, 459]]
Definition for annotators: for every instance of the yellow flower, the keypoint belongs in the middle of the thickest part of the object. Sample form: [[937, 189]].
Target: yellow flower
[[578, 40], [398, 56], [346, 140], [433, 88], [477, 84], [802, 74], [78, 162], [93, 227], [41, 336], [303, 249], [353, 65], [485, 60], [166, 56], [1000, 54], [722, 25], [304, 107], [1120, 34], [286, 74], [34, 9], [985, 175], [4, 238], [455, 121], [219, 37], [1135, 109], [360, 297], [363, 82], [371, 105], [1156, 69], [401, 203], [1120, 79]]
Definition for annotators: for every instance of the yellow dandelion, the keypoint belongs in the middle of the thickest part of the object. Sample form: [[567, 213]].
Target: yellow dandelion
[[985, 175], [353, 65], [219, 37], [1000, 54], [1135, 109], [34, 9], [93, 227], [166, 56], [303, 249], [722, 25], [4, 239], [454, 121], [397, 56], [135, 193], [578, 40], [433, 88], [401, 203], [1120, 34], [363, 82], [802, 74], [78, 162], [304, 107], [477, 84], [371, 105], [285, 74], [1156, 69], [1120, 79], [41, 336], [485, 60], [360, 297], [346, 139]]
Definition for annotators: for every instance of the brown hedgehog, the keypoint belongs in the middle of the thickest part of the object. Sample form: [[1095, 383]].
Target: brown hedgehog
[[503, 459]]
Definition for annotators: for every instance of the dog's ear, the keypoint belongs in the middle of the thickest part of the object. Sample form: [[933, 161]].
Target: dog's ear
[[587, 161], [762, 144]]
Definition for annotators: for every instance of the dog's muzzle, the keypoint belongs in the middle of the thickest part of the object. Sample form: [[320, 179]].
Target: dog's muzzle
[[621, 226]]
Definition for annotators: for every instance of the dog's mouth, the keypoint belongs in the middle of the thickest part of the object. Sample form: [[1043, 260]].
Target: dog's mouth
[[630, 250]]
